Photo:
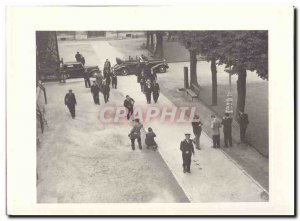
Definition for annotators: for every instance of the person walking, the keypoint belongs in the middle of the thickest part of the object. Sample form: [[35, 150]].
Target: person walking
[[87, 81], [114, 80], [187, 149], [227, 126], [147, 70], [105, 91], [243, 121], [135, 133], [197, 129], [142, 81], [70, 101], [215, 126], [129, 103], [95, 92], [148, 91], [82, 60], [156, 91]]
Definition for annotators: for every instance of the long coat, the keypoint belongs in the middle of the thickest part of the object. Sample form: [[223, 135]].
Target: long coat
[[187, 148], [70, 99]]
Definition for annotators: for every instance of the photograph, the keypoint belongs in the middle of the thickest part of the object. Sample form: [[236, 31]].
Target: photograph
[[116, 111], [152, 116]]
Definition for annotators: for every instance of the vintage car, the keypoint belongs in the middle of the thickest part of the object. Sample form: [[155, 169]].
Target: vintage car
[[77, 70], [135, 66]]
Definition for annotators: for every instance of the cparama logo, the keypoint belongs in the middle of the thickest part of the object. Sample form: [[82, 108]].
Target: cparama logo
[[170, 114]]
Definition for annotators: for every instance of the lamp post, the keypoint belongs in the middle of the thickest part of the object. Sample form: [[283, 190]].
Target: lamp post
[[229, 98]]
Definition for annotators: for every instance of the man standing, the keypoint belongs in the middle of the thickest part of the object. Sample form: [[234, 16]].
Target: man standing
[[114, 80], [148, 91], [135, 133], [128, 103], [70, 101], [78, 56], [156, 91], [82, 60], [87, 80], [147, 71], [227, 122], [197, 129], [187, 149], [105, 91], [215, 126], [95, 92], [243, 121], [142, 82], [106, 68]]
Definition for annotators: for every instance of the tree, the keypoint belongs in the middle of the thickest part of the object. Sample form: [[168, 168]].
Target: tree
[[245, 50], [159, 52]]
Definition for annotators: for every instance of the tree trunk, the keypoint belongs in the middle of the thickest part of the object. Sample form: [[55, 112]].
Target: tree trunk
[[214, 97], [148, 39], [241, 90], [193, 67], [151, 41], [159, 53]]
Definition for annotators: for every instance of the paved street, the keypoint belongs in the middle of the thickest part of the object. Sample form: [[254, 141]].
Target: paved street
[[92, 162]]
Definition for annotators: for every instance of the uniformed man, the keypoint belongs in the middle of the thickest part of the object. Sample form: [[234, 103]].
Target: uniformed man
[[95, 92], [70, 101], [227, 122], [148, 91], [156, 91], [114, 80], [187, 149], [135, 133], [105, 91], [243, 121], [129, 103]]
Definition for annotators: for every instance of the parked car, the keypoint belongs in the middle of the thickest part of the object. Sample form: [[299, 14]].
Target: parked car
[[134, 66], [77, 70]]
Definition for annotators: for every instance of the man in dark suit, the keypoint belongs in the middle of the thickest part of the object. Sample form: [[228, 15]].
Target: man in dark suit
[[227, 125], [197, 129], [87, 81], [187, 149], [148, 91], [128, 103], [243, 121], [105, 91], [135, 133], [78, 56], [156, 91], [95, 92], [114, 80], [70, 101]]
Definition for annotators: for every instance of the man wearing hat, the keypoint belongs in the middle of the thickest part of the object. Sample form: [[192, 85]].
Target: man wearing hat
[[148, 91], [128, 103], [227, 125], [135, 133], [105, 91], [197, 129], [70, 101], [187, 149], [95, 92]]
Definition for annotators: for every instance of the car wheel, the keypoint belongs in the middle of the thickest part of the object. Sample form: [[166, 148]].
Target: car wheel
[[162, 69], [124, 72]]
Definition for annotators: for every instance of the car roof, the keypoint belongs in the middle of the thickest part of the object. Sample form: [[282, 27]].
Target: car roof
[[72, 62]]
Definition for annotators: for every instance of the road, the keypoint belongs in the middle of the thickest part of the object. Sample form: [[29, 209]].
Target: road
[[83, 160]]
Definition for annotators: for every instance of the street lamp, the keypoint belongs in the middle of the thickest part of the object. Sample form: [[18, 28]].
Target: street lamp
[[229, 98]]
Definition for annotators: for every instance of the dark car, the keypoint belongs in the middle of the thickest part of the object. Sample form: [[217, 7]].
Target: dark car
[[135, 66], [77, 70]]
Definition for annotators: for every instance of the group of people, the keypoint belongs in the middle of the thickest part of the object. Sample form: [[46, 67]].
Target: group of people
[[187, 145], [135, 134], [148, 82]]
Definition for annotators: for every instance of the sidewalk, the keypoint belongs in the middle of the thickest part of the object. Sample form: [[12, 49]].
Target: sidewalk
[[215, 177], [246, 156]]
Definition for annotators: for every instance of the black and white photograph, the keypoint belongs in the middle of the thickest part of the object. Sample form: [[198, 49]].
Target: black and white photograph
[[151, 115]]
